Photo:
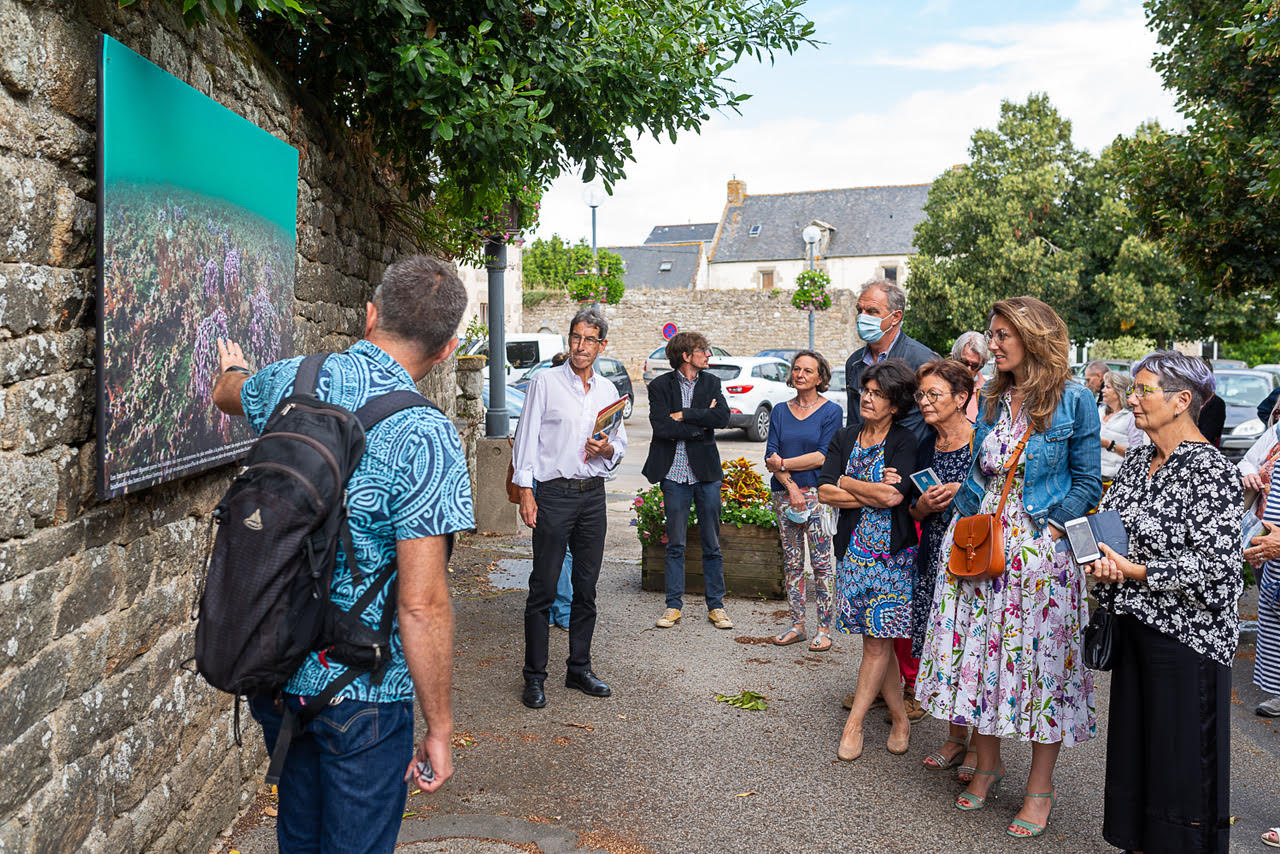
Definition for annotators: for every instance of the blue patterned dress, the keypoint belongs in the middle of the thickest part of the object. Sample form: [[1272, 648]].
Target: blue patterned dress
[[873, 587]]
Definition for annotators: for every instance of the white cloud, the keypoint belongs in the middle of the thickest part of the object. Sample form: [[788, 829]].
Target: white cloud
[[1094, 63]]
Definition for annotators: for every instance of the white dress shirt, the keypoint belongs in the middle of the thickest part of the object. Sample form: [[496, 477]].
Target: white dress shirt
[[555, 424]]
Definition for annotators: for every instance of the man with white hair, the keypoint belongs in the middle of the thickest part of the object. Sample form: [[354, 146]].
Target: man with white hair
[[881, 306], [971, 349]]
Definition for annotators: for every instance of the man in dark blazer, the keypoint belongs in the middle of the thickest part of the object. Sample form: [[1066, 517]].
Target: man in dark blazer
[[881, 307], [685, 409]]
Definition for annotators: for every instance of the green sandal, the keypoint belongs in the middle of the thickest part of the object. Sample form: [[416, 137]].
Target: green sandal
[[968, 802], [1034, 830]]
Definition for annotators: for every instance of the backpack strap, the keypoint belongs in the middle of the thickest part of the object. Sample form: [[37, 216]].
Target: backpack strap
[[384, 405], [308, 377]]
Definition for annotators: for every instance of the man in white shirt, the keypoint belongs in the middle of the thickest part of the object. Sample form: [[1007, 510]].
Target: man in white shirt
[[556, 446]]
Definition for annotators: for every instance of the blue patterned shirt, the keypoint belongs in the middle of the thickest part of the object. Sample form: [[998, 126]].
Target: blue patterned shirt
[[412, 482], [680, 472]]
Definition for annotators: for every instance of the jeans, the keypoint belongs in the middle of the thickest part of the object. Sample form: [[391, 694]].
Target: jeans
[[342, 790], [567, 519], [676, 500], [564, 592]]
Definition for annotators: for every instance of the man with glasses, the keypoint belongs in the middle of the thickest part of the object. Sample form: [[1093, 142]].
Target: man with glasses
[[881, 307], [971, 349], [557, 446], [685, 409]]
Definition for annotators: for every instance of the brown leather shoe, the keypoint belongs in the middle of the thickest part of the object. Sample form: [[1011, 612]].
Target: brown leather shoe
[[848, 701], [915, 711]]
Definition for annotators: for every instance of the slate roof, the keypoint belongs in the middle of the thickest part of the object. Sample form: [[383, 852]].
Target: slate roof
[[699, 232], [642, 266], [868, 221]]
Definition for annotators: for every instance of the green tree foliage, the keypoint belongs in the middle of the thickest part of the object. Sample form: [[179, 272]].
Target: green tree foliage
[[554, 265], [1032, 214], [1262, 348], [472, 100], [1210, 192]]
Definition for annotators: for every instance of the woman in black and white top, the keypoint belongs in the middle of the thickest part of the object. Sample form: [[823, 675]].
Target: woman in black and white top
[[1175, 597]]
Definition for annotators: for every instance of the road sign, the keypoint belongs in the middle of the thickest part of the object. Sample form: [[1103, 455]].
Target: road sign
[[668, 331]]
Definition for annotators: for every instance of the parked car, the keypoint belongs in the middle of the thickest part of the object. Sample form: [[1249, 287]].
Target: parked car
[[753, 386], [1121, 365], [1229, 364], [524, 350], [1274, 370], [657, 362], [787, 356], [1242, 391], [837, 393], [515, 404], [612, 369]]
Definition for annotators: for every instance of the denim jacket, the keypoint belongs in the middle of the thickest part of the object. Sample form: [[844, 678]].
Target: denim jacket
[[1063, 474]]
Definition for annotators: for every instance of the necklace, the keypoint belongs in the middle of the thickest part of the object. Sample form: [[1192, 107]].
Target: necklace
[[951, 446], [798, 405]]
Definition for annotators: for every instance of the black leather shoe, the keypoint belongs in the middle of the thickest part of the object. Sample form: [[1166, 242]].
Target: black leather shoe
[[588, 683], [533, 697]]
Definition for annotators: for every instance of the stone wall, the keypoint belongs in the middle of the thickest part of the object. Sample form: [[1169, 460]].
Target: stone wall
[[108, 743], [743, 322]]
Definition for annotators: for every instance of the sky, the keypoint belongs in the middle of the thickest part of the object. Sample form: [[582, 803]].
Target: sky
[[893, 97]]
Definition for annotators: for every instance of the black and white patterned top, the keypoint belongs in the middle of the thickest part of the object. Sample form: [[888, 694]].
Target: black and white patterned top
[[1184, 525]]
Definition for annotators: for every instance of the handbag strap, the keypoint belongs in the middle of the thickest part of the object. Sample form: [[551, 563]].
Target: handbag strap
[[1008, 478]]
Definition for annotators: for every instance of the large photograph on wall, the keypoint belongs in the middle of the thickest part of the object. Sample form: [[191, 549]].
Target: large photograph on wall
[[197, 213]]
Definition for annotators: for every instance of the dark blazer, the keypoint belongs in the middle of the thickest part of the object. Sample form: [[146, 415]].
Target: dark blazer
[[903, 347], [700, 421], [900, 454]]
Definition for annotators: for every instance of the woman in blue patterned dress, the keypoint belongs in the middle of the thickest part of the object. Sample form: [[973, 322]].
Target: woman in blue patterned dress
[[1003, 654], [875, 543]]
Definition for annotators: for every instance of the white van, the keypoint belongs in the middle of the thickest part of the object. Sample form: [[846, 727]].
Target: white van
[[524, 350]]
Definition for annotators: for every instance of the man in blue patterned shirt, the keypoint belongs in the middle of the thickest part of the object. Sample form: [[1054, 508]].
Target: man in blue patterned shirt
[[344, 782]]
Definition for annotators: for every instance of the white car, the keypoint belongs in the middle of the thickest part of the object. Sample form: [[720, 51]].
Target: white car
[[524, 350], [752, 386], [657, 363], [837, 393]]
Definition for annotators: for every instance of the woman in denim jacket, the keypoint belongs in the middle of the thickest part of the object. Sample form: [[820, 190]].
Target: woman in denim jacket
[[1003, 655]]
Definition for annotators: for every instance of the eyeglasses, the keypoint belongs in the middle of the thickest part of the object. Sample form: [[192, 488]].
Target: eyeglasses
[[875, 394], [575, 338], [706, 350], [1001, 335], [1141, 390], [933, 396], [972, 366]]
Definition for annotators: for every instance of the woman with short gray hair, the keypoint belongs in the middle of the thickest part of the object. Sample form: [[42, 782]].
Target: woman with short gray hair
[[1175, 600], [971, 350]]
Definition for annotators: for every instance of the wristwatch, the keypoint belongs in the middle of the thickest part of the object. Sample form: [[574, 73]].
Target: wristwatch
[[1112, 446], [782, 465]]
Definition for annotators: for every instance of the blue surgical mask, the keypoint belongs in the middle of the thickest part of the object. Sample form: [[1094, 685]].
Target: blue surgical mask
[[869, 328], [796, 516]]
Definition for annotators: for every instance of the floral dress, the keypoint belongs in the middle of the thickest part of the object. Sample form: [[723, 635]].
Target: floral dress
[[873, 587], [951, 467], [1004, 654]]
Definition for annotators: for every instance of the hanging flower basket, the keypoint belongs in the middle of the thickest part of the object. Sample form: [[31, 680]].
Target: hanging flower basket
[[811, 291]]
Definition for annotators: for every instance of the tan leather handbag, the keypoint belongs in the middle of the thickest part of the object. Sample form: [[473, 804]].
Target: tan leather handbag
[[513, 491], [977, 551]]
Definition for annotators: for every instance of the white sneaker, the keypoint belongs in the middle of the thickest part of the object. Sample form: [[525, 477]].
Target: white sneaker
[[1268, 708]]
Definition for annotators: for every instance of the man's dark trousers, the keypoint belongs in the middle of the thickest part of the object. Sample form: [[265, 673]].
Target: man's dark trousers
[[676, 498], [576, 518]]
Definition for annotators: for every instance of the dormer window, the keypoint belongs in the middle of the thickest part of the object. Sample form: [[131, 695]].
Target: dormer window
[[755, 231]]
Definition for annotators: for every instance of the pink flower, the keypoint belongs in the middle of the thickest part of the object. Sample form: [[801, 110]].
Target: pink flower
[[639, 501], [664, 539]]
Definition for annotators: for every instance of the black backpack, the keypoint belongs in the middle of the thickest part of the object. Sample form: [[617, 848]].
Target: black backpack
[[266, 599]]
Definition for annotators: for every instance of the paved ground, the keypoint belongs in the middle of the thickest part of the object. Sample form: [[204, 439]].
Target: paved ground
[[662, 767]]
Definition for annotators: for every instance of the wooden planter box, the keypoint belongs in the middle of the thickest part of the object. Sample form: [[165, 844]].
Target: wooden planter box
[[752, 562]]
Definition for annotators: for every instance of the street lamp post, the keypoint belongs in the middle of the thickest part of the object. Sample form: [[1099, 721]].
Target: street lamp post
[[593, 196], [811, 234]]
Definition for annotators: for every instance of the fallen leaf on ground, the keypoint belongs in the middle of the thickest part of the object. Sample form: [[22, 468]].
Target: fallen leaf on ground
[[745, 794], [271, 811], [579, 726]]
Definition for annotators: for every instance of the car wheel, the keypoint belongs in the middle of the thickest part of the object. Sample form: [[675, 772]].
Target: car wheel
[[626, 410], [758, 429]]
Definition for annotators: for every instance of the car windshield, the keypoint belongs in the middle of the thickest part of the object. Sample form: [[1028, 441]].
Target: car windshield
[[1243, 389], [724, 372], [659, 353], [538, 368]]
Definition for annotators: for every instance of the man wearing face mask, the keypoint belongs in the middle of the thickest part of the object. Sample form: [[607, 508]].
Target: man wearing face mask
[[881, 306]]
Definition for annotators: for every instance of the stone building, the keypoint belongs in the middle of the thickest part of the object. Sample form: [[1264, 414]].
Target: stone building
[[109, 742], [866, 233]]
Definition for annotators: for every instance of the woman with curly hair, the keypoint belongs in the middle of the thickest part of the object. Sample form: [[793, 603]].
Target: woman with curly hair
[[875, 542], [1003, 655]]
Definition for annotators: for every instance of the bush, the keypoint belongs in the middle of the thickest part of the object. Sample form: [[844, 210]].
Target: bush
[[744, 500]]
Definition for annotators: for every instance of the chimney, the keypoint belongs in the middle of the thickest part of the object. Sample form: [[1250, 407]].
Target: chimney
[[737, 191]]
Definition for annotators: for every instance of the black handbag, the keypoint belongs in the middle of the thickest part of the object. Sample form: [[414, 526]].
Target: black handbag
[[1098, 652]]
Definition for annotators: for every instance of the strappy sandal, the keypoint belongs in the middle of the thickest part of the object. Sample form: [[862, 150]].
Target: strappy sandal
[[968, 801], [1034, 830], [817, 644], [797, 636], [965, 772], [938, 762], [1272, 837]]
